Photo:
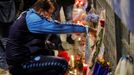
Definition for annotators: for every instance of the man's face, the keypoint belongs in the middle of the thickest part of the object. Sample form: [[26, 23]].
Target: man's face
[[48, 13]]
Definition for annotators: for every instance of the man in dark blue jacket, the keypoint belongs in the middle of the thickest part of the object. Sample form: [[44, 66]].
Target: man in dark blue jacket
[[26, 50]]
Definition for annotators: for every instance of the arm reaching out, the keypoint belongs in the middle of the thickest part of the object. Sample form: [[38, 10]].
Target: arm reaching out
[[41, 25]]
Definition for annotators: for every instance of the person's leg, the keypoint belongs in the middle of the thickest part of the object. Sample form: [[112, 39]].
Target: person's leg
[[4, 30], [3, 63], [68, 11], [42, 65], [56, 14]]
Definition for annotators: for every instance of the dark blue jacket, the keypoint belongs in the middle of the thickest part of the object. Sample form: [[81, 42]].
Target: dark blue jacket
[[28, 34]]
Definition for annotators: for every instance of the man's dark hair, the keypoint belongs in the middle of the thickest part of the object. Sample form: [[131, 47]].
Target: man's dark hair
[[44, 4]]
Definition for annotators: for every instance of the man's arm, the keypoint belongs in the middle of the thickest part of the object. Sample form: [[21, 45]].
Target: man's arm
[[39, 25], [36, 24]]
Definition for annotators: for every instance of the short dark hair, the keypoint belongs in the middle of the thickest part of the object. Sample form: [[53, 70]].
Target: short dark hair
[[44, 4]]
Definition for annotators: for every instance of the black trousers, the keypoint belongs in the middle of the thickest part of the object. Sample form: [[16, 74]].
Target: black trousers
[[41, 65]]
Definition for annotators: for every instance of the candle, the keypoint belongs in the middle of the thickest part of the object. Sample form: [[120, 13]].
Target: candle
[[72, 61], [75, 72], [79, 38]]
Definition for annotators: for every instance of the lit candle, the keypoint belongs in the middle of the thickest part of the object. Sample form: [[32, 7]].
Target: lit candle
[[75, 72], [72, 61], [78, 22], [79, 38]]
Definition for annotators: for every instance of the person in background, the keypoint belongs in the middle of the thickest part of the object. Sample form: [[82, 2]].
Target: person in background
[[68, 6], [28, 4], [7, 17], [89, 6], [3, 64], [22, 5], [89, 2], [27, 51]]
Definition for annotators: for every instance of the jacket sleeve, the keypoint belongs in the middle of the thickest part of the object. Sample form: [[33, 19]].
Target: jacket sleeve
[[37, 24]]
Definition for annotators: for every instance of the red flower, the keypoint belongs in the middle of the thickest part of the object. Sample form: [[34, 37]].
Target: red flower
[[64, 54], [102, 23]]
